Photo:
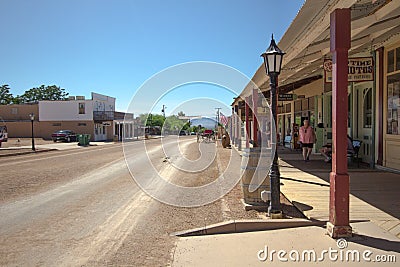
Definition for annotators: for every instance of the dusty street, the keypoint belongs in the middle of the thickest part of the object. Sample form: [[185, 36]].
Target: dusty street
[[82, 207]]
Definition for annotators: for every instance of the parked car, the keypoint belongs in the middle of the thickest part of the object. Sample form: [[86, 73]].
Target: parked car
[[182, 133], [64, 135]]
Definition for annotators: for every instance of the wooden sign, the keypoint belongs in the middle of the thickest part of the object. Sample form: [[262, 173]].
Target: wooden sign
[[359, 69]]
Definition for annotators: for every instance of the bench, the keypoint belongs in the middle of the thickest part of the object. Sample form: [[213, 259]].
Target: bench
[[354, 154], [351, 154], [288, 140]]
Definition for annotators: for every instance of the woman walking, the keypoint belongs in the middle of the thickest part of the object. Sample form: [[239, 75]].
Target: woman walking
[[307, 139]]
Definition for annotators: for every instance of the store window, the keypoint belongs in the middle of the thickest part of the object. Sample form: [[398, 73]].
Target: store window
[[393, 104], [349, 106], [393, 91], [367, 116], [390, 61]]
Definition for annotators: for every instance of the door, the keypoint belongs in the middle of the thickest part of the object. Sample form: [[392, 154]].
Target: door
[[281, 129], [363, 120], [100, 132]]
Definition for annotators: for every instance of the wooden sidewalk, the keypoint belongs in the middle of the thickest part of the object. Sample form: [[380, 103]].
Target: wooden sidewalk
[[374, 194]]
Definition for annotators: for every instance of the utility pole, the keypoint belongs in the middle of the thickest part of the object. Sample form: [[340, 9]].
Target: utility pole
[[218, 109]]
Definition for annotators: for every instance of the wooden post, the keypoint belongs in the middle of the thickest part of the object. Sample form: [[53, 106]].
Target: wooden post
[[239, 113], [338, 225], [247, 114], [255, 120], [233, 121]]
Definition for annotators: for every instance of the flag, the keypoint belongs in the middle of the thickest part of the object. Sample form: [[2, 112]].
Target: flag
[[222, 119]]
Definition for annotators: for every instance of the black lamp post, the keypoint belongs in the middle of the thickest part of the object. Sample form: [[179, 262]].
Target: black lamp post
[[32, 117], [273, 62]]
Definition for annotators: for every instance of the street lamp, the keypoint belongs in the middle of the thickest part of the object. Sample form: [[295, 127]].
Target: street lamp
[[32, 117], [273, 61]]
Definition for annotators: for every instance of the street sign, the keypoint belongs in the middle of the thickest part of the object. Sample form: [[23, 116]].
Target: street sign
[[106, 123], [285, 97]]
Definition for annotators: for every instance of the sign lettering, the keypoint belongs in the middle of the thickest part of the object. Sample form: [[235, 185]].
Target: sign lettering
[[359, 69]]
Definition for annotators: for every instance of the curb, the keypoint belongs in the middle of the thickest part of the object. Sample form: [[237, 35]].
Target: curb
[[241, 226], [28, 152]]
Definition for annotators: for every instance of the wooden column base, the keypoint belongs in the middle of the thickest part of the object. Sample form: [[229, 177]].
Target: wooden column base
[[336, 231]]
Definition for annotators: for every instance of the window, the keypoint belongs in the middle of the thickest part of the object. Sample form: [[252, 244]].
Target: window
[[349, 106], [393, 60], [297, 105], [81, 124], [393, 91], [390, 61], [367, 116], [56, 124], [14, 111], [288, 108], [393, 88], [81, 108]]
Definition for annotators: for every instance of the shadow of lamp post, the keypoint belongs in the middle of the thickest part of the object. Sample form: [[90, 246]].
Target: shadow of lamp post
[[273, 60]]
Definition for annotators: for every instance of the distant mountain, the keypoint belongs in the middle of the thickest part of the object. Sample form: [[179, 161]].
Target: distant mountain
[[208, 123]]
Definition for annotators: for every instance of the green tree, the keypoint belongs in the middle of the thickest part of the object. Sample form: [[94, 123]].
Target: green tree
[[181, 113], [43, 92], [173, 123], [5, 96], [17, 100], [152, 119]]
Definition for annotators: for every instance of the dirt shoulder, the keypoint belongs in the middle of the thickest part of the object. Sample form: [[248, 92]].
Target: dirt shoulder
[[151, 243]]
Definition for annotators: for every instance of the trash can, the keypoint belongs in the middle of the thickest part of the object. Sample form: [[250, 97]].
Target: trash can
[[79, 138], [86, 139], [83, 139]]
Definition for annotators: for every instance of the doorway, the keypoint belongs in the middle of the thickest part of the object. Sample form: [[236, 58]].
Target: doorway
[[363, 119], [100, 132]]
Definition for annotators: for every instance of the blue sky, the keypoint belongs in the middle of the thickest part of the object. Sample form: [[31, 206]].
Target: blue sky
[[113, 47]]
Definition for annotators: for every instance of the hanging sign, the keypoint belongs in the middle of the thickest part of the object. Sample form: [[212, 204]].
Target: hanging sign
[[359, 69], [285, 97]]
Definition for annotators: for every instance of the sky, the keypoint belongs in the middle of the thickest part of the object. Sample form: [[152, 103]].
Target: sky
[[115, 47]]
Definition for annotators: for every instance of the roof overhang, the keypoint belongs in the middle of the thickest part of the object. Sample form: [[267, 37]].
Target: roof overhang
[[307, 40]]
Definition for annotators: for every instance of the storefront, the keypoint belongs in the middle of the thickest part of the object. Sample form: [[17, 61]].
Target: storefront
[[392, 106], [285, 123], [374, 77], [360, 91]]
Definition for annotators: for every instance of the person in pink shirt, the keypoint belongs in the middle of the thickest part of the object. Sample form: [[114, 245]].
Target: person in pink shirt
[[307, 139]]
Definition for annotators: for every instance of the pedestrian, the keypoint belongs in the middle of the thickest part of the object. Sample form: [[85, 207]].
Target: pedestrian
[[307, 139]]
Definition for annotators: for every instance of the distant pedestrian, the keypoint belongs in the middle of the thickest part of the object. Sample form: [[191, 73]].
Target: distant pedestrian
[[307, 139]]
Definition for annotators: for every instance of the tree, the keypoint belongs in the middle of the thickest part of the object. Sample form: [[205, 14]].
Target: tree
[[152, 119], [36, 94], [5, 96], [173, 124], [181, 113]]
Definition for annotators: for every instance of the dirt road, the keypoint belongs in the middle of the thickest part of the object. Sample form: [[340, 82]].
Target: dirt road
[[75, 208]]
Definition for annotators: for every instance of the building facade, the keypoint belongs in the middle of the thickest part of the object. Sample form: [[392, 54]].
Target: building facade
[[373, 74], [95, 116]]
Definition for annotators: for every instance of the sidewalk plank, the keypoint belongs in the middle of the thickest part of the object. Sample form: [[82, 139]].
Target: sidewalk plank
[[310, 193]]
